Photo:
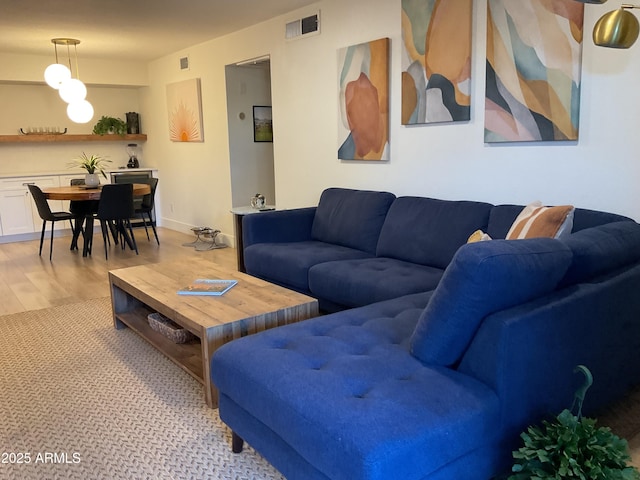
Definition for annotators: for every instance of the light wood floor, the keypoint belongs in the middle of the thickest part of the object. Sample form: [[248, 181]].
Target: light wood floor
[[30, 282]]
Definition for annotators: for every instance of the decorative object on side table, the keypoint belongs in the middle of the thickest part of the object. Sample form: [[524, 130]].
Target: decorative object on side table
[[94, 165], [573, 447], [110, 125], [258, 201]]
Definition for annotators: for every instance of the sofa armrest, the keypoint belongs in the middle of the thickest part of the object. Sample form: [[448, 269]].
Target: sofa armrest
[[528, 354], [279, 226]]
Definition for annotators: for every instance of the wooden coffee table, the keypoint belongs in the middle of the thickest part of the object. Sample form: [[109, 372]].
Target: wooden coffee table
[[250, 306]]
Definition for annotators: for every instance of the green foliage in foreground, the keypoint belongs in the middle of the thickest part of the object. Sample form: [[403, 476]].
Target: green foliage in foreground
[[572, 447]]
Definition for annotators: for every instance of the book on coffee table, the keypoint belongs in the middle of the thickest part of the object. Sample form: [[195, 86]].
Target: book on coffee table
[[204, 286]]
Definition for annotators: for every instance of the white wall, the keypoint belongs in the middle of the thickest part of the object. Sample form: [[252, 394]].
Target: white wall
[[251, 162], [25, 105], [450, 161]]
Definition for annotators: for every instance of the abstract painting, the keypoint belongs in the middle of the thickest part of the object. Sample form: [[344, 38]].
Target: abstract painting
[[534, 50], [436, 61], [363, 127], [185, 111]]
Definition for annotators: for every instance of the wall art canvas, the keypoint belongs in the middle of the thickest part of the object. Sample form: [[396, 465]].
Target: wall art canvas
[[436, 61], [534, 51], [262, 124], [185, 111], [363, 127]]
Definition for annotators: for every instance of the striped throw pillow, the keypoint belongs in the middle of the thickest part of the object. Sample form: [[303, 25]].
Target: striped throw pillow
[[537, 221]]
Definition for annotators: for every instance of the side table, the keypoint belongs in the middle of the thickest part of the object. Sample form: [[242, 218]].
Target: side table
[[238, 214]]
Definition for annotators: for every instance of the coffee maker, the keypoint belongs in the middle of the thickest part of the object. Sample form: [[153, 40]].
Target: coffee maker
[[132, 150]]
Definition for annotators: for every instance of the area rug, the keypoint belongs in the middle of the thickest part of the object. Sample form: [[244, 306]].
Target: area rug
[[82, 400]]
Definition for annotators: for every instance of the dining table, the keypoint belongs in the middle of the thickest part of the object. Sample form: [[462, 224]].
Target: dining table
[[86, 193]]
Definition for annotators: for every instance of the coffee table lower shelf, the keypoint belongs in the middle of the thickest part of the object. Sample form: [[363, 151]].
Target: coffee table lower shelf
[[187, 356]]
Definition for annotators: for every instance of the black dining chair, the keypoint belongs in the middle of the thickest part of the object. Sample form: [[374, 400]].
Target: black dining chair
[[81, 209], [48, 216], [116, 205], [146, 207]]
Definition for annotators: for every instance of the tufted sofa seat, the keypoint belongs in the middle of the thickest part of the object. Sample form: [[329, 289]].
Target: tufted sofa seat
[[407, 412]]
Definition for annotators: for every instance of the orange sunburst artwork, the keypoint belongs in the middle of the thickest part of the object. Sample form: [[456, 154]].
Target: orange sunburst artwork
[[185, 111]]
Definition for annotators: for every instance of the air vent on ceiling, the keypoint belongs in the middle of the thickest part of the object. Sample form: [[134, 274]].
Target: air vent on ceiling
[[302, 27], [184, 63]]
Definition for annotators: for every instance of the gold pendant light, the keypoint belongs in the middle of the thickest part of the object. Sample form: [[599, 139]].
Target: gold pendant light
[[617, 29]]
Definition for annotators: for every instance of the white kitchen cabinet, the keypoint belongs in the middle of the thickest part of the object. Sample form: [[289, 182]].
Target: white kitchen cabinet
[[15, 212], [18, 212]]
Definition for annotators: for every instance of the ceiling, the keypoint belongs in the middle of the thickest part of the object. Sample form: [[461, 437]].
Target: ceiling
[[129, 29]]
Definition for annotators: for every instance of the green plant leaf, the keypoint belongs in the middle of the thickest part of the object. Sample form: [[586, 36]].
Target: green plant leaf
[[572, 447]]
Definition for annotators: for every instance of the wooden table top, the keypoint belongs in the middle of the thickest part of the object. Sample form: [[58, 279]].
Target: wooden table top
[[157, 286], [81, 192]]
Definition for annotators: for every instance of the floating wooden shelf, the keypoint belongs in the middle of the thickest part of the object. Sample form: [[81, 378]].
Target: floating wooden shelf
[[70, 138]]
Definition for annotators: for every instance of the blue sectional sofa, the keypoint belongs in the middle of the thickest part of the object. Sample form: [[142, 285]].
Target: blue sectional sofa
[[438, 353]]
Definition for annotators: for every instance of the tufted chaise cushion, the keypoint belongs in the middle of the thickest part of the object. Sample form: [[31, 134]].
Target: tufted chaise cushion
[[485, 277], [343, 392]]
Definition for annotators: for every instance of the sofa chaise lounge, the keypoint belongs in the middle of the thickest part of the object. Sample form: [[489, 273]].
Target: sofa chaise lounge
[[438, 353]]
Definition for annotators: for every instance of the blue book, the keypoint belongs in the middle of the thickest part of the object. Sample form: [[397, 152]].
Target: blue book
[[203, 286]]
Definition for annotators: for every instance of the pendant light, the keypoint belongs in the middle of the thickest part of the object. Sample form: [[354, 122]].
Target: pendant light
[[616, 29], [71, 90]]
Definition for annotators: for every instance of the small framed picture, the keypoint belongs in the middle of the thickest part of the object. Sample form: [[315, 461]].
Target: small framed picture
[[262, 124]]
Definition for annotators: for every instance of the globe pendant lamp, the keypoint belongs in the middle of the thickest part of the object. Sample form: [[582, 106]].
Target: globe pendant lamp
[[80, 112], [70, 89], [617, 29], [55, 74]]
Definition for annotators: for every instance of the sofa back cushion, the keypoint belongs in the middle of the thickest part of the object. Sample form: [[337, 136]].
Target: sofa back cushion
[[429, 231], [351, 218], [599, 250], [502, 217], [484, 277]]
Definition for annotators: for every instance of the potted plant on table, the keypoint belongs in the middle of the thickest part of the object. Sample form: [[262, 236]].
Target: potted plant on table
[[573, 447], [94, 165]]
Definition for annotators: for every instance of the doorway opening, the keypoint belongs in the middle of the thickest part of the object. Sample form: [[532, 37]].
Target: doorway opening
[[252, 165]]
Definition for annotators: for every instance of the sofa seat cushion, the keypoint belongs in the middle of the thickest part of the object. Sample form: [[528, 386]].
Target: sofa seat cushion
[[485, 277], [351, 218], [344, 392], [288, 263], [355, 283], [428, 231]]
